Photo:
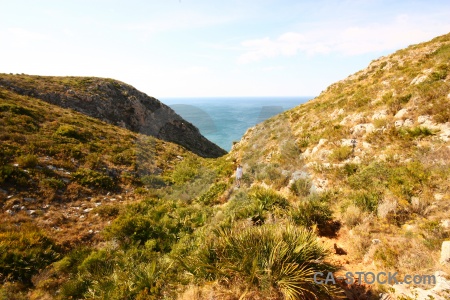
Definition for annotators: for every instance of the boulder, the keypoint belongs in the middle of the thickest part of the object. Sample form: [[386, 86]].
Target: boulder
[[398, 123], [445, 224], [445, 253], [379, 115], [362, 128], [408, 123], [401, 113]]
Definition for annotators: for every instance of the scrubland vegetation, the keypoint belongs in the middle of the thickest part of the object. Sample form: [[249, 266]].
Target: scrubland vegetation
[[94, 211]]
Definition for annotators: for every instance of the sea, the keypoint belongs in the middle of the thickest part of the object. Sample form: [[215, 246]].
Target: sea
[[224, 120]]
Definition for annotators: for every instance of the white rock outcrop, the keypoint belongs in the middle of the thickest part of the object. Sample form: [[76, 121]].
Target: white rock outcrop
[[362, 129], [401, 113], [445, 253]]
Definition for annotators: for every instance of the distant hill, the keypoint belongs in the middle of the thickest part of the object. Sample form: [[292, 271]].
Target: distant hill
[[114, 102]]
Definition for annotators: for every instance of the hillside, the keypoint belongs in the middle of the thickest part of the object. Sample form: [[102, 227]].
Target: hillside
[[393, 187], [65, 176], [91, 210], [114, 102]]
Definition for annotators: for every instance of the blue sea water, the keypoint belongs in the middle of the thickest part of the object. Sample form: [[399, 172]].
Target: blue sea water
[[224, 120]]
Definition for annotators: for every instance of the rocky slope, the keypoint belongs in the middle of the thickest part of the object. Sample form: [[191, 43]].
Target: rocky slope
[[379, 143], [114, 102]]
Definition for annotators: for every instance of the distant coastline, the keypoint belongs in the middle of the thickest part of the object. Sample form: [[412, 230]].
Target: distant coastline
[[223, 120]]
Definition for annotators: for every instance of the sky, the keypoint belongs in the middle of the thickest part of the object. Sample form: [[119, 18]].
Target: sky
[[211, 48]]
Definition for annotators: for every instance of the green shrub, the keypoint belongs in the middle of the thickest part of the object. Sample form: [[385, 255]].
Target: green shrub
[[98, 264], [415, 132], [18, 110], [387, 256], [53, 183], [24, 252], [13, 175], [106, 211], [433, 234], [28, 160], [273, 175], [265, 259], [127, 157], [70, 262], [75, 288], [185, 171], [268, 198], [371, 177], [314, 210], [211, 196], [162, 221], [367, 201], [350, 169], [301, 187], [341, 153], [92, 178], [440, 73], [13, 291], [396, 103], [70, 131], [153, 181]]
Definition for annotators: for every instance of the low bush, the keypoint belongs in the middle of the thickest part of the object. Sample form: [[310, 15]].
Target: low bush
[[341, 153], [212, 195], [353, 215], [367, 201], [107, 211], [13, 175], [185, 171], [433, 234], [414, 133], [92, 178], [269, 259], [25, 251], [153, 181], [387, 256], [272, 175], [313, 210], [164, 222], [268, 198], [301, 187], [70, 131], [28, 161]]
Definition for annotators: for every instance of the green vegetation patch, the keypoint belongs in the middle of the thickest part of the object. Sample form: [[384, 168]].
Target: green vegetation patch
[[93, 178], [268, 259], [313, 210], [24, 252]]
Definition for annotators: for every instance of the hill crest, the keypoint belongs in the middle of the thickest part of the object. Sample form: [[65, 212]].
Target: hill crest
[[114, 102]]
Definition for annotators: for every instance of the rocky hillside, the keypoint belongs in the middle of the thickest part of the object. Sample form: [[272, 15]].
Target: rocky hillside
[[114, 102], [378, 142], [356, 180]]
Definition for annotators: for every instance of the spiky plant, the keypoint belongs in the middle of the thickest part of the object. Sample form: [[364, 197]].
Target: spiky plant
[[270, 259]]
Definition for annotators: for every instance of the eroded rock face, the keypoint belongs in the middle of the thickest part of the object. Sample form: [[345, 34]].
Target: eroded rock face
[[116, 103]]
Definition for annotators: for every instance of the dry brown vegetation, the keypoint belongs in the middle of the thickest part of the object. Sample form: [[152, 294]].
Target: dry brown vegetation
[[110, 214]]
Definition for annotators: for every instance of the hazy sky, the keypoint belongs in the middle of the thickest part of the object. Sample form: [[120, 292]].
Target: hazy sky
[[190, 48]]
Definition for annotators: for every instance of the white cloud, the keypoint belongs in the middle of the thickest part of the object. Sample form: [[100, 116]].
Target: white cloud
[[402, 31], [177, 21], [287, 44], [19, 37]]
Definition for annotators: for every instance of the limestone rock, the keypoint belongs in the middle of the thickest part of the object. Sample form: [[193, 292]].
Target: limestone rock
[[408, 123], [398, 123], [445, 253], [445, 223], [401, 113], [362, 129], [379, 115]]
